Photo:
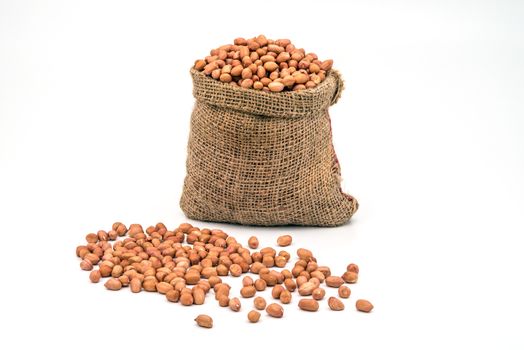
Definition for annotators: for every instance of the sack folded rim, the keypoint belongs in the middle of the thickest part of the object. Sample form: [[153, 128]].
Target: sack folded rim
[[287, 104]]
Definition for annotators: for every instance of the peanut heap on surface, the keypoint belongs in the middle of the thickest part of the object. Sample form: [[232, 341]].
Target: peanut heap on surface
[[265, 64], [186, 263]]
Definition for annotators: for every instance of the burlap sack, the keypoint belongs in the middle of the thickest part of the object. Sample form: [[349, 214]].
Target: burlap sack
[[261, 158]]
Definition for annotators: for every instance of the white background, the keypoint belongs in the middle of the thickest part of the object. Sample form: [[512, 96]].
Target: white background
[[95, 101]]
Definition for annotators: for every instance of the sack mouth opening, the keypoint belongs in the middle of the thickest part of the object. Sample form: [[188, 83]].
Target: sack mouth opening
[[231, 86], [285, 104]]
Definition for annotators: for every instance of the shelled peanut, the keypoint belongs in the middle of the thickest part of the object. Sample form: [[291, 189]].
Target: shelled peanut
[[186, 263], [264, 64]]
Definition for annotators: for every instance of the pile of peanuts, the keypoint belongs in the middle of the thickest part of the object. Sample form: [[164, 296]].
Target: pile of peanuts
[[264, 64], [184, 264]]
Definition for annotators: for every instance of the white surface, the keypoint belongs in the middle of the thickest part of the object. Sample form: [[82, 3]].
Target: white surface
[[95, 100]]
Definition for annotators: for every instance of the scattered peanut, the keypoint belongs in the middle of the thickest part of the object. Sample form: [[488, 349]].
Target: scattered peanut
[[248, 292], [86, 265], [335, 304], [285, 297], [284, 241], [364, 305], [172, 296], [308, 304], [275, 310], [253, 316], [334, 281], [186, 299], [113, 284], [344, 292], [260, 303], [187, 263], [253, 242], [318, 293], [304, 254], [350, 277], [307, 288], [204, 321], [234, 304], [352, 267], [95, 276], [276, 291]]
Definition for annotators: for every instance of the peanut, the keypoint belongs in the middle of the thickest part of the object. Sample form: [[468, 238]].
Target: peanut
[[344, 292], [95, 276], [259, 303], [285, 297], [306, 288], [326, 65], [199, 296], [86, 265], [335, 304], [113, 284], [92, 238], [284, 240], [290, 284], [318, 293], [352, 267], [260, 285], [275, 310], [204, 321], [149, 284], [247, 281], [276, 86], [200, 64], [253, 316], [234, 304], [223, 300], [237, 71], [276, 291], [253, 241], [304, 254], [350, 277], [235, 270], [301, 78], [308, 304], [334, 281], [364, 305], [163, 287], [186, 299], [173, 296], [248, 291]]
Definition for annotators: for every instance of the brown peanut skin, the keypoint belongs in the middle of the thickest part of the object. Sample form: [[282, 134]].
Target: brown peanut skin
[[113, 284], [95, 276], [344, 292], [275, 310], [234, 304], [204, 321], [335, 304], [334, 281], [318, 293], [284, 240], [350, 277], [308, 305], [259, 303], [253, 242], [364, 305], [253, 316]]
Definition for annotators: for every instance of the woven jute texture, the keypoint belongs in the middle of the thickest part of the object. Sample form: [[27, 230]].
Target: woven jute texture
[[260, 158]]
